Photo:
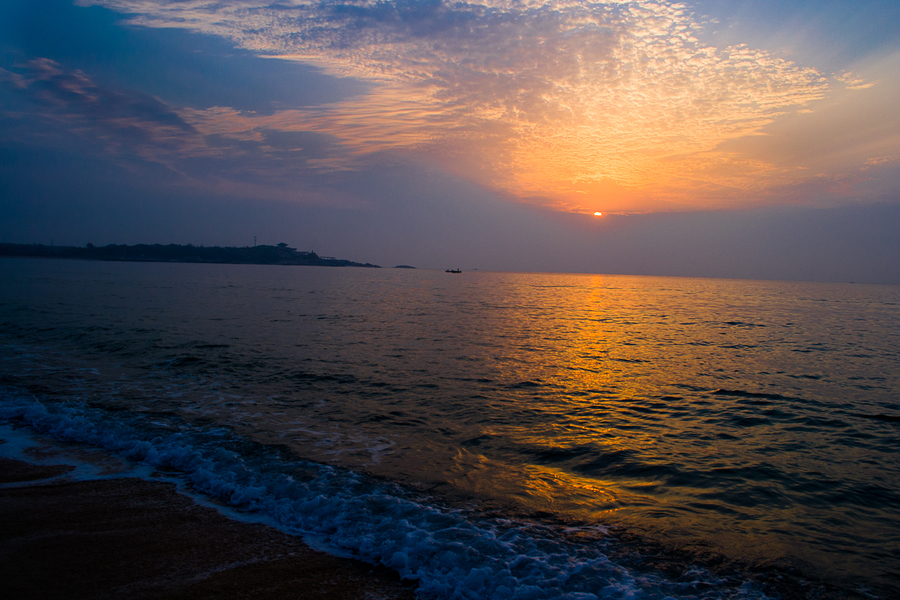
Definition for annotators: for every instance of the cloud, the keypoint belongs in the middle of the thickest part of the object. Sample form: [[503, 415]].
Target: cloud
[[854, 82], [882, 160], [74, 93], [72, 100], [13, 79], [264, 156], [551, 100], [834, 143]]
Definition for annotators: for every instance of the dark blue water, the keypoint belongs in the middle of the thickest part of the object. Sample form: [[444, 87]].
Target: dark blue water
[[450, 425]]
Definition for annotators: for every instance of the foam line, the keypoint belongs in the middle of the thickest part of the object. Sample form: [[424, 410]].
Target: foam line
[[448, 554]]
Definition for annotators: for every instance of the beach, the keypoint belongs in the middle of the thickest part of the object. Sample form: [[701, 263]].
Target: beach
[[63, 537], [141, 539]]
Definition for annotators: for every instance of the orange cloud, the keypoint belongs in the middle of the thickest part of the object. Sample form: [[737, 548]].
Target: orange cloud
[[571, 104]]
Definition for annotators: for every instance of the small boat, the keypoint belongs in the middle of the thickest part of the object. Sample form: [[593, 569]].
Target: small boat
[[452, 271]]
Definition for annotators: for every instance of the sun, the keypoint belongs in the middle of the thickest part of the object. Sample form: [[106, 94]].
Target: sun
[[598, 214]]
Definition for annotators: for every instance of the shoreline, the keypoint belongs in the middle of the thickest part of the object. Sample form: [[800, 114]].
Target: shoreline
[[142, 539], [103, 538], [79, 522]]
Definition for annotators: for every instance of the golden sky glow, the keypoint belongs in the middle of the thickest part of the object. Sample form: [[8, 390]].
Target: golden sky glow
[[573, 105]]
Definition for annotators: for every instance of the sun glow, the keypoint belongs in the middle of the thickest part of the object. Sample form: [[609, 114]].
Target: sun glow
[[619, 97], [598, 214]]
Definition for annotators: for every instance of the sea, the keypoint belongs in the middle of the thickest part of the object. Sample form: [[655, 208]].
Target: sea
[[489, 435]]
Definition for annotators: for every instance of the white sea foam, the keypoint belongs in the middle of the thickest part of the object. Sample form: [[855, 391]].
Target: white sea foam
[[447, 553]]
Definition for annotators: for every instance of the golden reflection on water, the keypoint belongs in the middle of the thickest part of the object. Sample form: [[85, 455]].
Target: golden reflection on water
[[534, 488], [592, 368], [614, 413]]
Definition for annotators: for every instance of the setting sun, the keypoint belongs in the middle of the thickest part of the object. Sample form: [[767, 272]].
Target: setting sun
[[598, 214]]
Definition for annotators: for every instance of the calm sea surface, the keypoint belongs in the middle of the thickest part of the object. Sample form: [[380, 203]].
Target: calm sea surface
[[483, 433]]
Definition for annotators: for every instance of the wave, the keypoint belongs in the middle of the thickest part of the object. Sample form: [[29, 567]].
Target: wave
[[449, 552], [746, 394], [879, 417]]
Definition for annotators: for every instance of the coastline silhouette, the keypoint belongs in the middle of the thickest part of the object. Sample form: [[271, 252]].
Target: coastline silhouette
[[280, 254]]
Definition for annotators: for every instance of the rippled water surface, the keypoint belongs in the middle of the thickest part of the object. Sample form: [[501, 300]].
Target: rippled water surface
[[756, 419]]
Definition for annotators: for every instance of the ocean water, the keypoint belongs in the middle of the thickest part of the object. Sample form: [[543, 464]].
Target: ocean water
[[491, 435]]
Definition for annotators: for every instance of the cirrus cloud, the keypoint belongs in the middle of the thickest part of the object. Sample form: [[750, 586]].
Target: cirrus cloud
[[560, 102]]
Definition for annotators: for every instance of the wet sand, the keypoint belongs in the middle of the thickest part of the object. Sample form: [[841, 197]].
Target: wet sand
[[130, 538]]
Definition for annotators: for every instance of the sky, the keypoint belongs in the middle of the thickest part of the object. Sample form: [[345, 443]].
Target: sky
[[717, 138]]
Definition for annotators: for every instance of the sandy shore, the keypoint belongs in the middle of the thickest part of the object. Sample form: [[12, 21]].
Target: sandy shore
[[130, 538]]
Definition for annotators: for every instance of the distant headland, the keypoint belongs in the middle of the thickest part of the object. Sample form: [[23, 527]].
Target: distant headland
[[279, 254]]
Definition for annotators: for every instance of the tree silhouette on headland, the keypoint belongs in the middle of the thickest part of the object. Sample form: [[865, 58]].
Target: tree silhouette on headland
[[280, 254]]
